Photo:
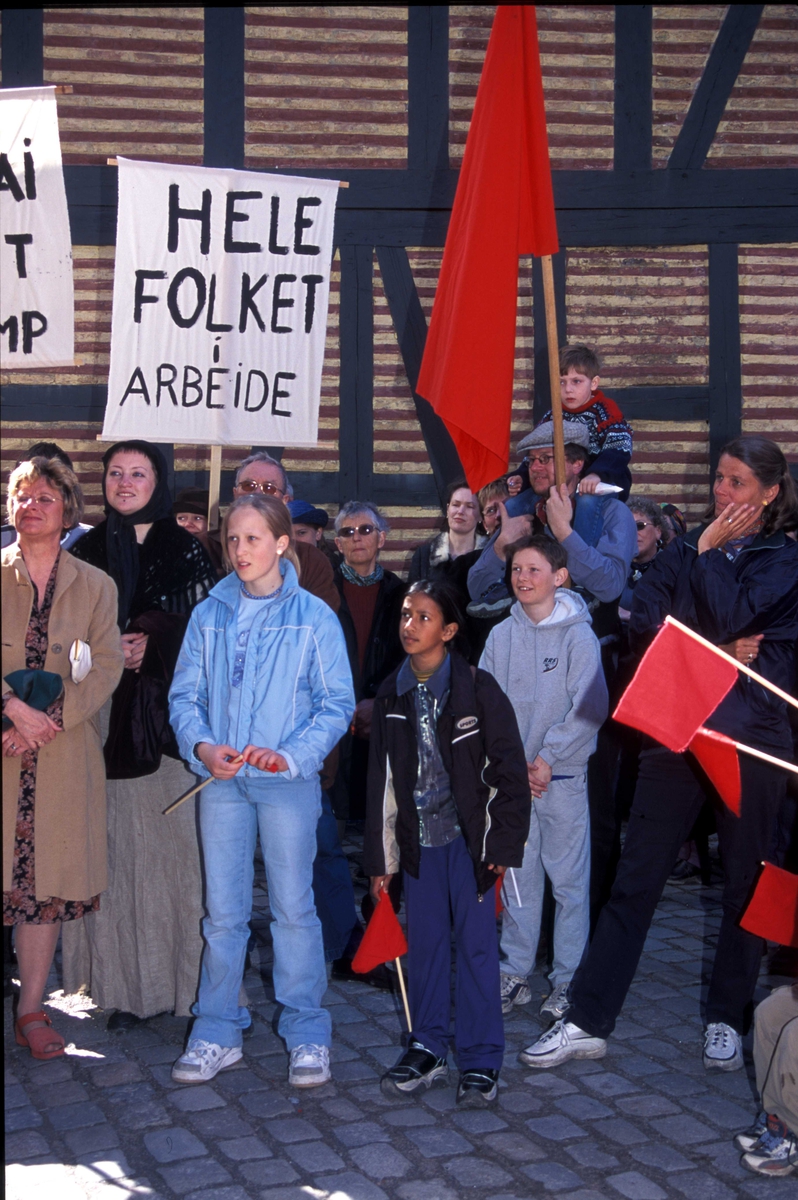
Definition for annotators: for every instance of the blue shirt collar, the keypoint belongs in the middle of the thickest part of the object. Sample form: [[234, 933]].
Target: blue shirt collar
[[438, 684]]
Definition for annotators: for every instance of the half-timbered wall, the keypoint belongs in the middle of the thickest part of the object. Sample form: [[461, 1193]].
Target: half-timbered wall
[[674, 150]]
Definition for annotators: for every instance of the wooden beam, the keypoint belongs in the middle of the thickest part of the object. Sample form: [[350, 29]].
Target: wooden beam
[[223, 87], [356, 380], [633, 93], [428, 87], [715, 86], [410, 325], [725, 377], [23, 47]]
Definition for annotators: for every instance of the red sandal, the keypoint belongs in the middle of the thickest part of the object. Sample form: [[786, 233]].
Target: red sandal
[[37, 1040]]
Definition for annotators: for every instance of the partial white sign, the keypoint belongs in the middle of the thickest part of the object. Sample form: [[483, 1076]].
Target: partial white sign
[[37, 303], [221, 288]]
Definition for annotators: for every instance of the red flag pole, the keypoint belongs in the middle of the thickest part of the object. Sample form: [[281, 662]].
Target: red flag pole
[[554, 367]]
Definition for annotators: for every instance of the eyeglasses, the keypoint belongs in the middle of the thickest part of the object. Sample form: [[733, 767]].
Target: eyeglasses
[[348, 531], [642, 524], [252, 485], [43, 501], [543, 459]]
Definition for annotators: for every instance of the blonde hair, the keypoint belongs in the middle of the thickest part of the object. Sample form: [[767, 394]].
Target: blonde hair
[[60, 479], [497, 490], [277, 518]]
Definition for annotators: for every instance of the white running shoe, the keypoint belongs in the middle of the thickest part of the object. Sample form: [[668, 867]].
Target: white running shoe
[[557, 1004], [560, 1044], [203, 1060], [309, 1066], [514, 990], [723, 1048]]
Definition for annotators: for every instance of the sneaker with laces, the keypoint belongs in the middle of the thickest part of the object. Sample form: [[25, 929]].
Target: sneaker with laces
[[748, 1138], [204, 1060], [776, 1152], [560, 1044], [514, 990], [557, 1004], [723, 1048], [478, 1087], [309, 1065], [417, 1068]]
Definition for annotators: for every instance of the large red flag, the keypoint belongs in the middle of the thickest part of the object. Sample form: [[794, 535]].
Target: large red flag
[[717, 755], [504, 207], [383, 939], [772, 911], [678, 684]]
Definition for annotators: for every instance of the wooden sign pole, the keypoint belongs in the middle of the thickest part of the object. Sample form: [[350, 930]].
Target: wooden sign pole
[[554, 367], [214, 488]]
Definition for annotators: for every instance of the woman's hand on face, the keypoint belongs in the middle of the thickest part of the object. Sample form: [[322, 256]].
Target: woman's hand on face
[[744, 650], [33, 726], [264, 759], [134, 646], [223, 762], [379, 883], [731, 524]]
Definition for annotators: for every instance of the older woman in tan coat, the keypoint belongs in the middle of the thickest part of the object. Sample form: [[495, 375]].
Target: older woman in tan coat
[[54, 833]]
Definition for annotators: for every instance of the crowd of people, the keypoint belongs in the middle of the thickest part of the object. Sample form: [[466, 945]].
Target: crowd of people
[[463, 718]]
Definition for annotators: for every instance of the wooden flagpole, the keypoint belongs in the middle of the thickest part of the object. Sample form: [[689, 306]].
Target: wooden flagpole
[[403, 990], [552, 338], [196, 789], [214, 488], [740, 666], [769, 758]]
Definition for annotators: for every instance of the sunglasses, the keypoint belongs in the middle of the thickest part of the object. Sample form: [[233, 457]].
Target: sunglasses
[[252, 485], [642, 524], [349, 531]]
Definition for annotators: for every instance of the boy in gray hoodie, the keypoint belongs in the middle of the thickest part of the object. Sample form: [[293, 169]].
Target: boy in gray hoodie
[[547, 660]]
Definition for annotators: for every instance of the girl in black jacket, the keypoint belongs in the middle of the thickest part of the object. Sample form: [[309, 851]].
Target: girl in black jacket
[[448, 801]]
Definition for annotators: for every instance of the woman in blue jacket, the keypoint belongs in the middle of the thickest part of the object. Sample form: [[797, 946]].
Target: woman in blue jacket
[[734, 577], [261, 694]]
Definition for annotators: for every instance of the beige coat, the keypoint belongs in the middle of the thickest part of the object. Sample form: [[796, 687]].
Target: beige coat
[[70, 823]]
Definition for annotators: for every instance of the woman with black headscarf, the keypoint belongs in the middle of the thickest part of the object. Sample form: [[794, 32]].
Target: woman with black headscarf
[[140, 953]]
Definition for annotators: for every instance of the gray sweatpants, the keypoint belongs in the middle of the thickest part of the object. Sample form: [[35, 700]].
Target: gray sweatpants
[[776, 1054], [558, 846]]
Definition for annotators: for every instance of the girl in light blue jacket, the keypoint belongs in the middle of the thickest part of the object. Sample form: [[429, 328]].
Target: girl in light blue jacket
[[261, 694]]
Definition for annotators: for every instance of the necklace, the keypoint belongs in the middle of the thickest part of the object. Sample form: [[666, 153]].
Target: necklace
[[270, 596]]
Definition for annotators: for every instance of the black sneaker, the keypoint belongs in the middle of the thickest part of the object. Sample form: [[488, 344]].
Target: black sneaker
[[477, 1087], [418, 1067]]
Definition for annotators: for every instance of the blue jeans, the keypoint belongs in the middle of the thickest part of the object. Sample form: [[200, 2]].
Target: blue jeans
[[332, 888], [588, 519], [231, 812]]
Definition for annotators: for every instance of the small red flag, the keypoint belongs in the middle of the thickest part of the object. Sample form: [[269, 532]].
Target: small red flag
[[772, 911], [678, 684], [717, 755], [383, 940], [504, 207]]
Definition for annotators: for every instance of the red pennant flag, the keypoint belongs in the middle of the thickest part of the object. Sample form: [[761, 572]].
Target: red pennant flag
[[717, 755], [772, 911], [504, 207], [383, 940], [678, 684]]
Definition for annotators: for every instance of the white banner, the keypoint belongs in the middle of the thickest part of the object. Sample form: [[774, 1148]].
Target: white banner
[[221, 289], [37, 303]]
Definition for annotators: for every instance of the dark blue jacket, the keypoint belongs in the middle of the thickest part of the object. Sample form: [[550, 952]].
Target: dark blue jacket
[[723, 600]]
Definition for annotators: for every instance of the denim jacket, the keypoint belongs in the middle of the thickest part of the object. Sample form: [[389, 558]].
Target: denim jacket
[[297, 695]]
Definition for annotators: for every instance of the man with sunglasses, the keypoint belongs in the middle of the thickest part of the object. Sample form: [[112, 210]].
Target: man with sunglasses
[[600, 542]]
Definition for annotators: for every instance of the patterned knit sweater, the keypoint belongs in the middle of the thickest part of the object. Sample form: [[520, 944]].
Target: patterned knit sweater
[[610, 439]]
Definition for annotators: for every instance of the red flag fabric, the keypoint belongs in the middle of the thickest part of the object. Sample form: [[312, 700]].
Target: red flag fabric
[[772, 911], [504, 207], [678, 684], [383, 939], [717, 755]]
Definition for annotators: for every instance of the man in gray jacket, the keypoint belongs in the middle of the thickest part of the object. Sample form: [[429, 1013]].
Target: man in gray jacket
[[547, 660]]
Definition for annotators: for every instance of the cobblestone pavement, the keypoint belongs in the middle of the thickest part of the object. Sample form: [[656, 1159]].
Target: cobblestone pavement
[[645, 1123]]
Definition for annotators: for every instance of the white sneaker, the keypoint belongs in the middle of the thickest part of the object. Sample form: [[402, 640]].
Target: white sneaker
[[557, 1004], [203, 1060], [723, 1048], [309, 1066], [560, 1044], [514, 990]]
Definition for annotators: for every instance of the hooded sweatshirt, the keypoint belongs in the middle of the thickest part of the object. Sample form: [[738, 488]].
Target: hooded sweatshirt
[[552, 674]]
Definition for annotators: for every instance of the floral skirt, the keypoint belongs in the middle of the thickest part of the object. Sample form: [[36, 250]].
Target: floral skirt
[[20, 905]]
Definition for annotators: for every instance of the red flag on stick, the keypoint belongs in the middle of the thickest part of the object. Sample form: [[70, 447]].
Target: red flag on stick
[[679, 683], [383, 940], [772, 911], [717, 755], [504, 207]]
